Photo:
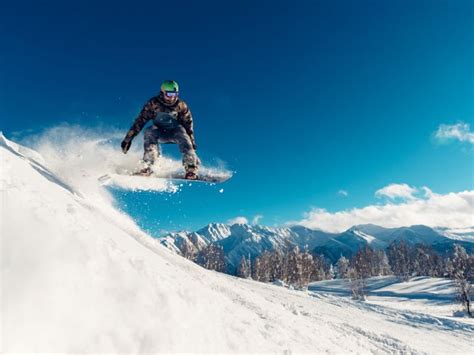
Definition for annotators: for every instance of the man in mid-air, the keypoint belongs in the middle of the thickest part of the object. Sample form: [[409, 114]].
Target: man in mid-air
[[172, 123]]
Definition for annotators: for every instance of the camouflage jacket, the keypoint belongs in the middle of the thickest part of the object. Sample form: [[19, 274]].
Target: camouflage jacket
[[156, 105]]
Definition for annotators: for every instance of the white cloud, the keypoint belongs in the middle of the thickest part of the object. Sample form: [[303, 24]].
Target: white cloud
[[394, 191], [256, 218], [460, 131], [451, 210], [238, 220], [428, 192], [343, 193]]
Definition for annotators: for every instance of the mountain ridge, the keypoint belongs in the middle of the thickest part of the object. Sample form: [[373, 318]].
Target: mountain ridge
[[248, 240]]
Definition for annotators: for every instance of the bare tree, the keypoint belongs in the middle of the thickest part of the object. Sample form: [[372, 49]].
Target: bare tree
[[399, 258], [293, 259], [256, 269], [342, 268], [265, 266], [244, 268], [356, 284], [448, 268], [212, 258], [361, 269], [278, 269], [307, 267], [320, 268], [188, 250], [426, 261], [463, 274], [380, 265], [330, 274]]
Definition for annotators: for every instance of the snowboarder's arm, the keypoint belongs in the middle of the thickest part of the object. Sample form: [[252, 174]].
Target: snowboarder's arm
[[147, 113], [186, 120]]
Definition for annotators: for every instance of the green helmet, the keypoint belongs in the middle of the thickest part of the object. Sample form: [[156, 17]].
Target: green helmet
[[169, 85]]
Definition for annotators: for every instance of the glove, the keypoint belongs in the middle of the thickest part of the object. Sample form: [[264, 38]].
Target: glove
[[194, 146], [126, 143]]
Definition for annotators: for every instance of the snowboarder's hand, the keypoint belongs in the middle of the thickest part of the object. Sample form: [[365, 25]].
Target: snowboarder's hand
[[126, 143], [194, 146]]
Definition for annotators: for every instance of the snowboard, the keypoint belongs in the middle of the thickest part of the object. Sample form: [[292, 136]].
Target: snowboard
[[209, 178], [136, 180]]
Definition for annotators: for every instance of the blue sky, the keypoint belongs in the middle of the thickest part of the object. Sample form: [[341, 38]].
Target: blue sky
[[300, 101]]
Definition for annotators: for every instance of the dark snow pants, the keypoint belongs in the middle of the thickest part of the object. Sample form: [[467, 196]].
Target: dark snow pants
[[154, 136]]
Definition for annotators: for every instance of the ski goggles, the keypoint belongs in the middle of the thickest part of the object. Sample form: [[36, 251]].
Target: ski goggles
[[171, 93]]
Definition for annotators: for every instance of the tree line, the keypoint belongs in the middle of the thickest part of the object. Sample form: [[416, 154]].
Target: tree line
[[297, 268], [406, 261]]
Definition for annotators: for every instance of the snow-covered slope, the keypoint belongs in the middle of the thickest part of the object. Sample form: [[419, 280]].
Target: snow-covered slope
[[432, 299], [79, 276]]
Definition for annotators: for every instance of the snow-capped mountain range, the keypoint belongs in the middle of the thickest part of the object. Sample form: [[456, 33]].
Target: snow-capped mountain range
[[240, 240]]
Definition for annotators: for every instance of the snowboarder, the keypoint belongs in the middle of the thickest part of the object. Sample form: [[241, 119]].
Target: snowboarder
[[172, 123]]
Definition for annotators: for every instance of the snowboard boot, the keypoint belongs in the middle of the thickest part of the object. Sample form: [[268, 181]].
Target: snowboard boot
[[191, 175], [191, 172]]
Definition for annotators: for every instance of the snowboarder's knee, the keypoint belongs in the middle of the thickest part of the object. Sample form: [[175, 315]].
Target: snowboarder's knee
[[150, 134]]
